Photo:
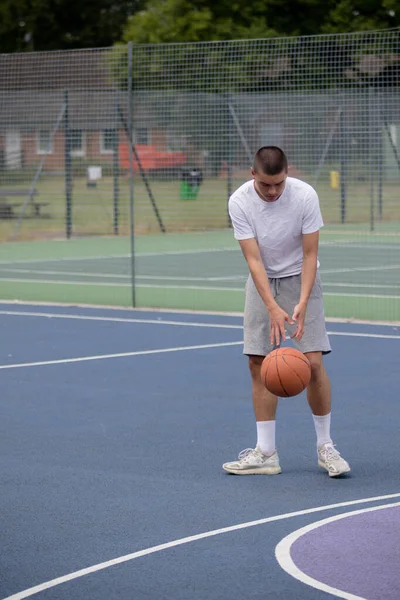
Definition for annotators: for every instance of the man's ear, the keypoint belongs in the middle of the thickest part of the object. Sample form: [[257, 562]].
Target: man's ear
[[252, 171]]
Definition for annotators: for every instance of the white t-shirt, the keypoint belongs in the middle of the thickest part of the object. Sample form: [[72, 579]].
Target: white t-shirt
[[277, 226]]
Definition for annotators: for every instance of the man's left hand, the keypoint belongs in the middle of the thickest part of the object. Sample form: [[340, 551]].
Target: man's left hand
[[299, 316]]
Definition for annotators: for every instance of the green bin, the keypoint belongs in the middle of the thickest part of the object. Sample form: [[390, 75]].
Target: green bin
[[191, 179], [188, 191]]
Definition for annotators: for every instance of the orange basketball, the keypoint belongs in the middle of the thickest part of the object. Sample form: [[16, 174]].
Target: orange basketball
[[286, 372]]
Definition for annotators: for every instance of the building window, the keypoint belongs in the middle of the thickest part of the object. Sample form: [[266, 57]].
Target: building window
[[141, 136], [44, 142], [77, 142], [107, 141]]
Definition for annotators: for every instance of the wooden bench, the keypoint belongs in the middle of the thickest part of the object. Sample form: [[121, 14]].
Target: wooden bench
[[8, 209]]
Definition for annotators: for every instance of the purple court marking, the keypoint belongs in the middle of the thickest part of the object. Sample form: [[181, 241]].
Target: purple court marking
[[359, 554]]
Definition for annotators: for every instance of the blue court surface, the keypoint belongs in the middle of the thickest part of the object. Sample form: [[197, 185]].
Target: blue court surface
[[114, 426]]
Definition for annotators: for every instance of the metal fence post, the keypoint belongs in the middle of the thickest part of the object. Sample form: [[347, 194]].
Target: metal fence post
[[68, 169], [116, 167], [131, 194]]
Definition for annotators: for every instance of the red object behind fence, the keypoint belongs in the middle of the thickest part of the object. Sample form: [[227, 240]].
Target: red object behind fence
[[150, 158]]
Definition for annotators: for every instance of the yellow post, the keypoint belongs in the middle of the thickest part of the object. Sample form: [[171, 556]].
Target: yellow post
[[335, 180]]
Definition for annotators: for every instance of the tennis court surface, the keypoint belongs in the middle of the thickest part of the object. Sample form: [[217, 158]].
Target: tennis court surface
[[197, 271], [115, 424]]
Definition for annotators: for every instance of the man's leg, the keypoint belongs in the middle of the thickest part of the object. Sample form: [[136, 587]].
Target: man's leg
[[264, 402], [263, 459], [319, 399], [265, 405], [314, 343], [319, 389]]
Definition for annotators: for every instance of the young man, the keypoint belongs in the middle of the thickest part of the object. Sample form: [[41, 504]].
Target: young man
[[276, 220]]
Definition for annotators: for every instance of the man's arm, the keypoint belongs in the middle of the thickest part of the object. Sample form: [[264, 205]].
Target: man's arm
[[308, 272], [278, 316]]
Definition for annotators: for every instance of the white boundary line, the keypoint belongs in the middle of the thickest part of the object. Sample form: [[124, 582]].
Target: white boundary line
[[119, 355], [120, 319], [187, 540], [177, 323], [283, 556], [177, 287], [126, 285], [128, 278], [348, 295], [112, 256], [362, 285], [339, 245], [179, 311], [355, 269]]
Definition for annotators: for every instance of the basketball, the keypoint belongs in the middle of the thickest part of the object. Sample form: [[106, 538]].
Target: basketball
[[286, 372]]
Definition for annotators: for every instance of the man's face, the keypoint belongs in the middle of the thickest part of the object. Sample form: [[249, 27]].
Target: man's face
[[269, 187]]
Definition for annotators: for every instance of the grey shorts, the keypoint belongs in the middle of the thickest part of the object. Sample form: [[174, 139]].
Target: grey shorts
[[286, 291]]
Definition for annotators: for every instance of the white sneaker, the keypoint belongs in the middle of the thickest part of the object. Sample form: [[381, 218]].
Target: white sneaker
[[253, 462], [329, 458]]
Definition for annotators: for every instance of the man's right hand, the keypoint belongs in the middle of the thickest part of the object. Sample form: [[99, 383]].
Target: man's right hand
[[278, 317]]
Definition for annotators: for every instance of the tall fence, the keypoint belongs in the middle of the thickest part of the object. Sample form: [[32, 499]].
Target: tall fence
[[144, 145]]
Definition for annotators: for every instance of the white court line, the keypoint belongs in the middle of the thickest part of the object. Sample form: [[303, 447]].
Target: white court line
[[282, 552], [350, 295], [119, 319], [61, 259], [178, 311], [62, 282], [355, 269], [177, 287], [125, 276], [126, 285], [379, 336], [348, 245], [118, 355], [378, 286], [179, 323], [175, 278], [128, 277], [112, 256], [187, 540], [127, 255]]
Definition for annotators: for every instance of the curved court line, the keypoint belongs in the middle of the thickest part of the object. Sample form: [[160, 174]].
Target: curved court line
[[187, 540], [282, 552]]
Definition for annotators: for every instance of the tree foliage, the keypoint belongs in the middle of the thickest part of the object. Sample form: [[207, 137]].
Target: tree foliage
[[62, 24], [362, 15], [206, 20]]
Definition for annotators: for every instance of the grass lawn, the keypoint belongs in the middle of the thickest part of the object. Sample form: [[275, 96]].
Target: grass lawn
[[92, 209]]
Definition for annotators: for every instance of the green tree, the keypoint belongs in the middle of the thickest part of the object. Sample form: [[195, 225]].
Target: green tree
[[362, 15], [62, 24], [207, 20]]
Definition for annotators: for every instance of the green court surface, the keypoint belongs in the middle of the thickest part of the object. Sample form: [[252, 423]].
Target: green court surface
[[197, 271]]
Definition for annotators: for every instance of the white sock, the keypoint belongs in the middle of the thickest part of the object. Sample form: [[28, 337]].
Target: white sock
[[266, 436], [323, 429]]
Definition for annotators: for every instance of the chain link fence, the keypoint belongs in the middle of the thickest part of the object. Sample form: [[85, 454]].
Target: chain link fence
[[152, 139]]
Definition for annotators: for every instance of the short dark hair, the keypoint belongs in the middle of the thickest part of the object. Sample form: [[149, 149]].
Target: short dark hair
[[270, 160]]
